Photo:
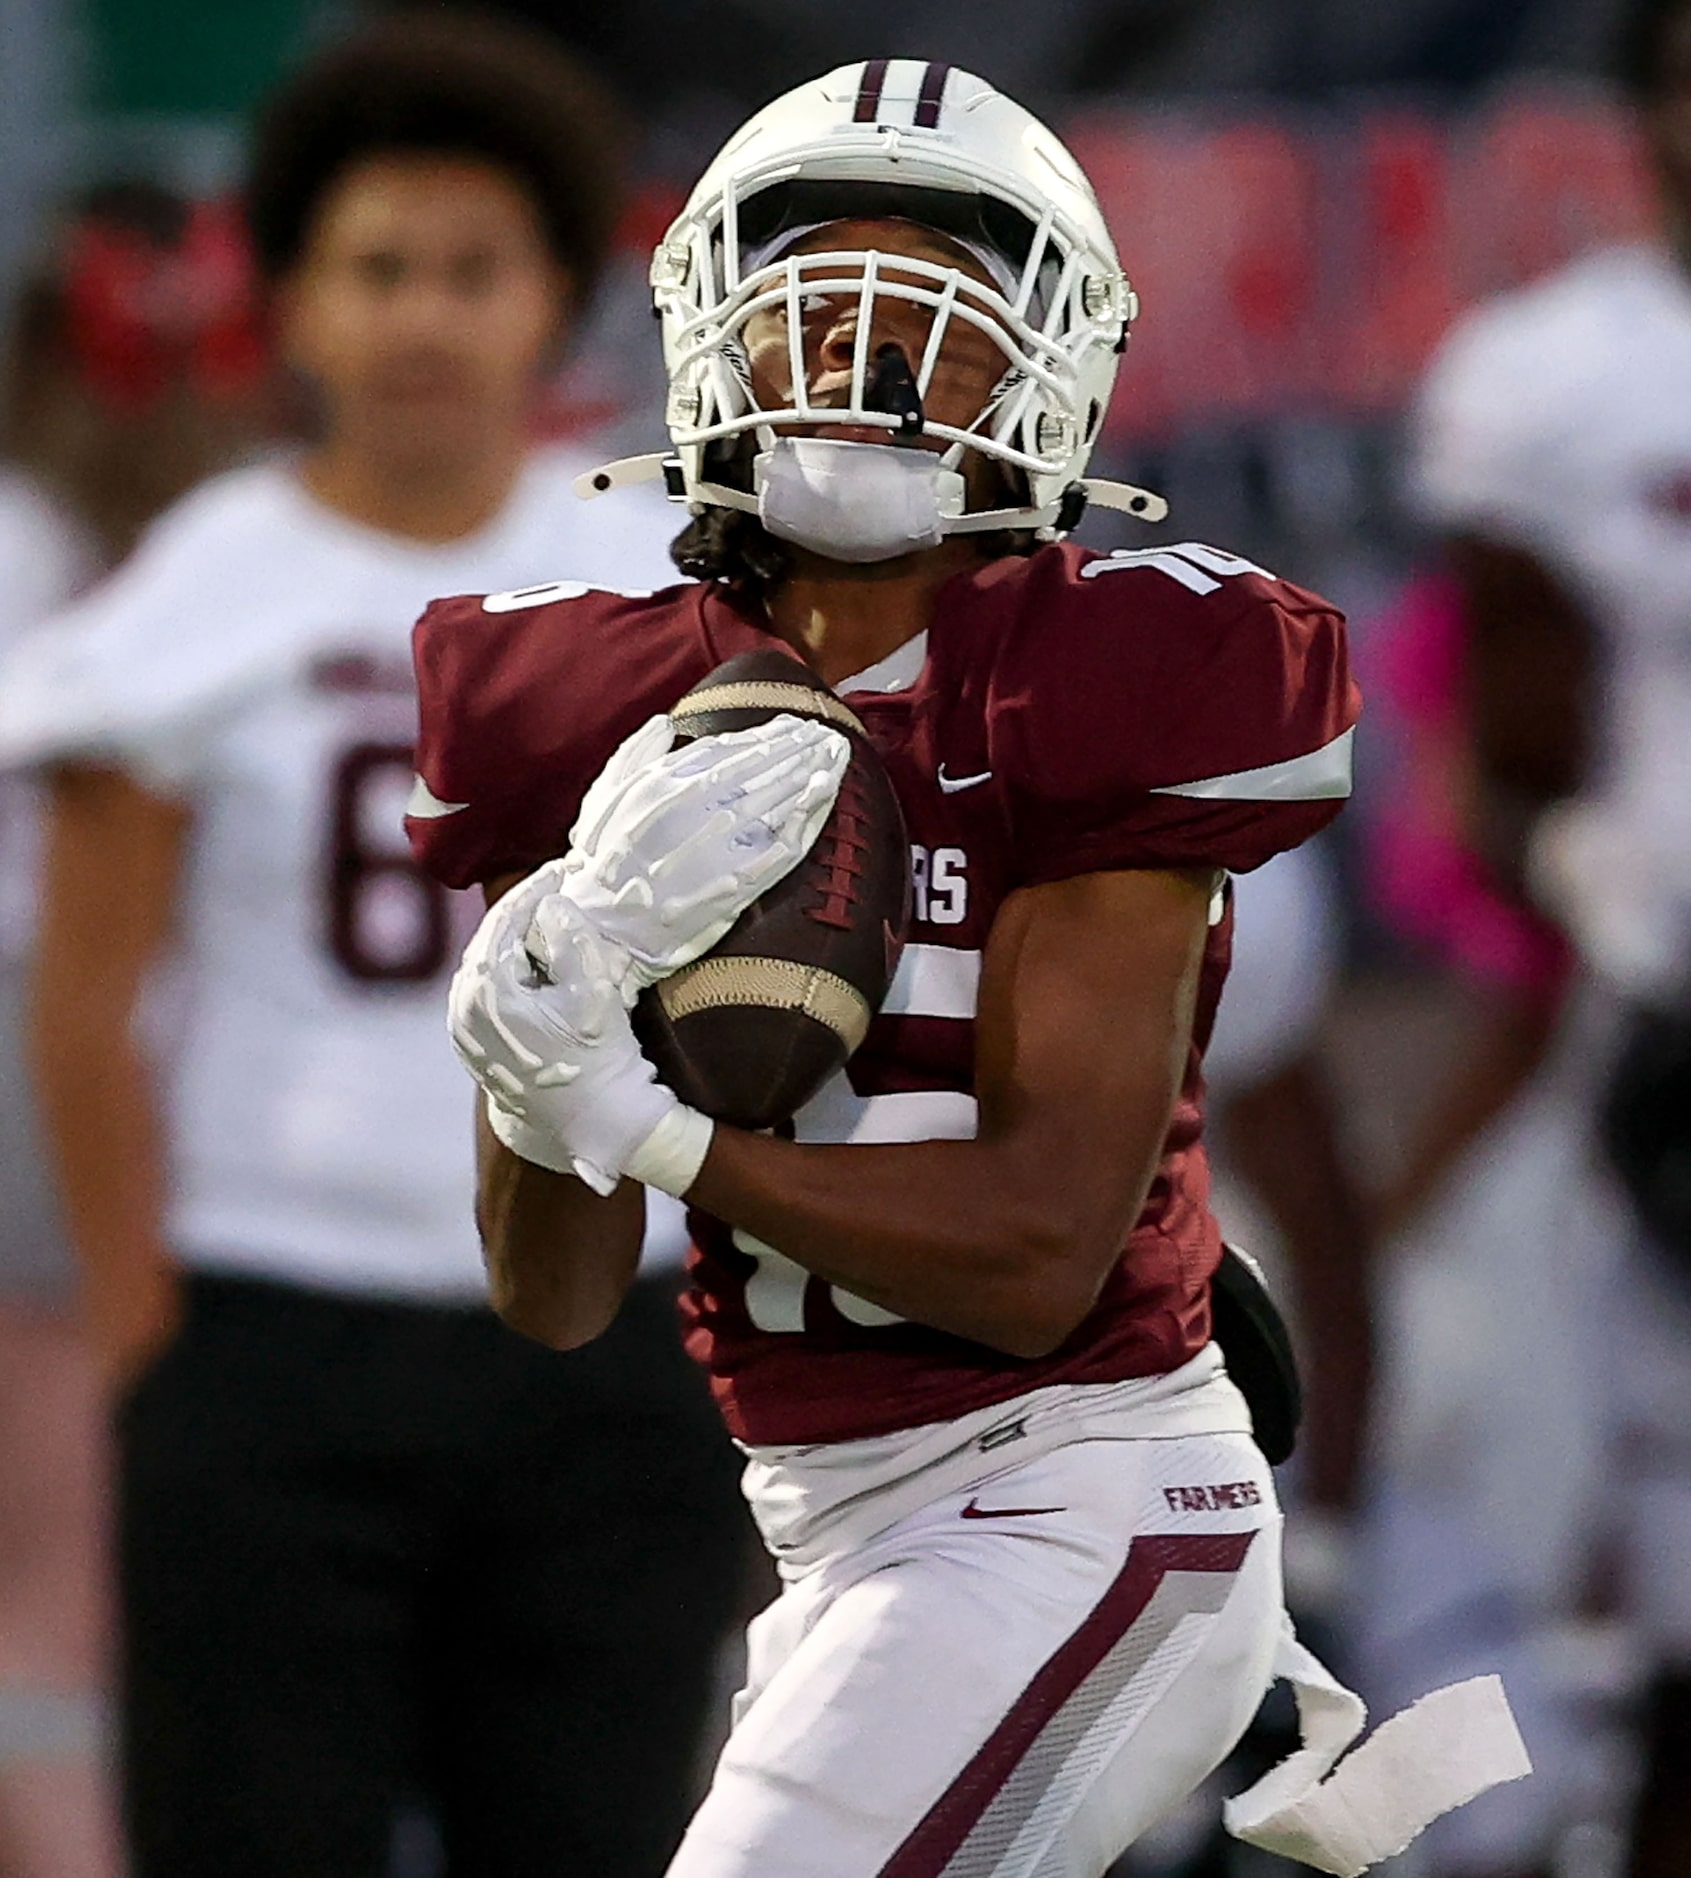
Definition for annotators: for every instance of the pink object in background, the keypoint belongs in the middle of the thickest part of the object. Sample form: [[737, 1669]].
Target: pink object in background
[[1427, 880]]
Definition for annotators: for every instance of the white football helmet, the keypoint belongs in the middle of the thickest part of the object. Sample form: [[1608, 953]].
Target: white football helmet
[[925, 143]]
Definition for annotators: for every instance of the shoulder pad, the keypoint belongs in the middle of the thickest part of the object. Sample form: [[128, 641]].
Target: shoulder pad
[[1175, 706], [522, 696]]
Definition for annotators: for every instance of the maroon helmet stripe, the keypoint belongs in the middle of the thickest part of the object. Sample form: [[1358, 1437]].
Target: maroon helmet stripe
[[928, 100], [869, 92], [930, 1848]]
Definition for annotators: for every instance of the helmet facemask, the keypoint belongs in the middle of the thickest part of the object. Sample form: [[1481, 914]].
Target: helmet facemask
[[1054, 313]]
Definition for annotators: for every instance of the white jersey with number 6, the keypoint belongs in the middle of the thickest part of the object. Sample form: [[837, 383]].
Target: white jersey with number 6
[[253, 662]]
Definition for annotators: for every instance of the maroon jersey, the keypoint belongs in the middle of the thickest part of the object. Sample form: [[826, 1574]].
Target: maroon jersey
[[1063, 714]]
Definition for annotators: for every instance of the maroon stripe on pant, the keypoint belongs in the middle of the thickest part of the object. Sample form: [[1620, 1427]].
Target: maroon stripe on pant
[[950, 1819], [869, 92], [928, 100]]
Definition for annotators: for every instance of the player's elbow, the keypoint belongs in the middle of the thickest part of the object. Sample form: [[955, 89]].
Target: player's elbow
[[1029, 1335], [1059, 1272], [1043, 1319], [546, 1302]]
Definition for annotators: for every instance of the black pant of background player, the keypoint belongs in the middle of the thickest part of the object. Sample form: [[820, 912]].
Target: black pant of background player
[[370, 1551]]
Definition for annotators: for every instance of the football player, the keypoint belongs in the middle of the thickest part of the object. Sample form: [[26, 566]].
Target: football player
[[960, 1322], [371, 1545], [1553, 451]]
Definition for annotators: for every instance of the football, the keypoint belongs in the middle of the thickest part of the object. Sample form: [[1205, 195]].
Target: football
[[752, 1030]]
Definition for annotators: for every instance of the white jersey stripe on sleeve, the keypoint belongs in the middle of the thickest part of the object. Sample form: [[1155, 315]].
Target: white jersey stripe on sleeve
[[423, 805], [934, 981], [1316, 777]]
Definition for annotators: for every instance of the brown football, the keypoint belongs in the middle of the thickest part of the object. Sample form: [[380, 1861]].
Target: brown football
[[752, 1030]]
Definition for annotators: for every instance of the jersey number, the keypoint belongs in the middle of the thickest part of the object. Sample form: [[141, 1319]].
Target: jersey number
[[777, 1288], [389, 923], [1198, 568]]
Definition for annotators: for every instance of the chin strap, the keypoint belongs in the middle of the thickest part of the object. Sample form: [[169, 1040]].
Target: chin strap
[[1063, 517], [626, 471], [1144, 505]]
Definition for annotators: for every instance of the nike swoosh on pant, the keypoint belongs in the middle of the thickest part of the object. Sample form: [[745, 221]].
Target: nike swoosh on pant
[[951, 784], [974, 1510]]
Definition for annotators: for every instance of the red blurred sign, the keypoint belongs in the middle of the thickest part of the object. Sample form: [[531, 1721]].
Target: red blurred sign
[[1287, 263]]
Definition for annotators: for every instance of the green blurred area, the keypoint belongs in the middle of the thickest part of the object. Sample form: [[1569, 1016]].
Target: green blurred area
[[166, 88], [192, 58]]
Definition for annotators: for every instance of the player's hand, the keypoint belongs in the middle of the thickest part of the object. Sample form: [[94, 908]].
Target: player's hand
[[672, 846], [553, 1049]]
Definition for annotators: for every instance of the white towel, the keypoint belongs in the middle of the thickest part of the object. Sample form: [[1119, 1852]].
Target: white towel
[[1439, 1753]]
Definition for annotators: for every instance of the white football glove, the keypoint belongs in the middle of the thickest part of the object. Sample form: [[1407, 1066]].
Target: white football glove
[[566, 1084], [672, 846]]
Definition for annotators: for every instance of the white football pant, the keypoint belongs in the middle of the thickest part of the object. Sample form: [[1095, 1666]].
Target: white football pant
[[1012, 1680]]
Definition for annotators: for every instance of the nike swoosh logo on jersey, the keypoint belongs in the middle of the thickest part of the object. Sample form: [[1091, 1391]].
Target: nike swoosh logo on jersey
[[423, 805], [951, 784], [974, 1510]]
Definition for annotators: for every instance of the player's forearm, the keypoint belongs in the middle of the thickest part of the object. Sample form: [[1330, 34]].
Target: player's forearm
[[559, 1258], [1503, 1048], [109, 878], [105, 1138], [1531, 677], [1007, 1238], [987, 1240]]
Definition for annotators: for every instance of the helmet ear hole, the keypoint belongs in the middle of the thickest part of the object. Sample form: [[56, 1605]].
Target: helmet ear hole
[[1093, 417]]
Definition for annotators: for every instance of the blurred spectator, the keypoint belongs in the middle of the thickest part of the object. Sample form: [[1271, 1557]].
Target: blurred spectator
[[1490, 1426], [1555, 451], [103, 418], [1446, 886], [372, 1546]]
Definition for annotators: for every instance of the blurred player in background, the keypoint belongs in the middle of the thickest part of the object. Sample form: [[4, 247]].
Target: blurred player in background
[[1554, 450], [371, 1545], [129, 376], [1029, 1549]]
